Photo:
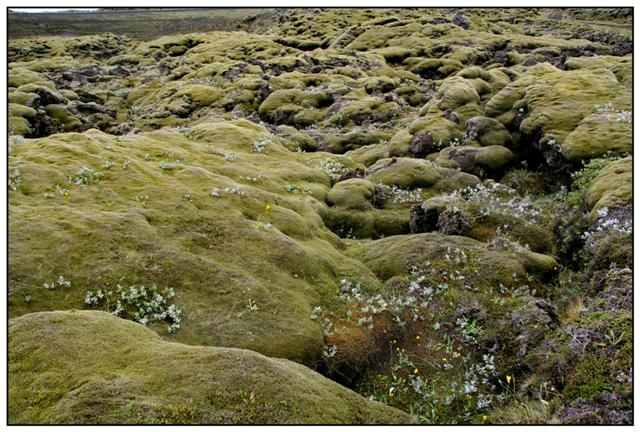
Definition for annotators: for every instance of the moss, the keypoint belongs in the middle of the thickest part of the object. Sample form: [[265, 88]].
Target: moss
[[365, 111], [380, 84], [350, 224], [487, 131], [201, 95], [18, 110], [620, 66], [539, 264], [442, 130], [493, 157], [591, 376], [437, 68], [611, 188], [476, 160], [22, 98], [63, 119], [281, 106], [393, 256], [125, 59], [192, 233], [574, 95], [22, 76], [599, 134], [19, 126], [356, 139], [47, 94], [132, 376], [352, 194], [405, 173]]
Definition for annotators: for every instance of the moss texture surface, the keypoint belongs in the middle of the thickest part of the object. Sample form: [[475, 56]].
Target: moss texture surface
[[430, 207]]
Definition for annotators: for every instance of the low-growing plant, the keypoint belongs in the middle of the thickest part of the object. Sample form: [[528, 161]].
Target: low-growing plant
[[298, 190], [61, 282], [14, 179], [260, 145], [189, 132], [332, 167], [88, 176], [138, 303]]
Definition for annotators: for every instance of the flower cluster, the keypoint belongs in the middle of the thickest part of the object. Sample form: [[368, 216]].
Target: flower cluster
[[16, 139], [189, 132], [403, 196], [498, 199], [216, 192], [333, 168], [610, 223], [138, 304], [260, 145], [619, 115], [87, 176], [60, 283], [298, 190], [14, 179]]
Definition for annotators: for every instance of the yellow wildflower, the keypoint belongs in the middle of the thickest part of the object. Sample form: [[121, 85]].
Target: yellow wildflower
[[417, 337], [415, 371], [509, 379], [267, 208], [485, 419]]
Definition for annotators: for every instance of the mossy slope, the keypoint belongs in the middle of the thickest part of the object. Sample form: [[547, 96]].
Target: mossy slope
[[130, 375]]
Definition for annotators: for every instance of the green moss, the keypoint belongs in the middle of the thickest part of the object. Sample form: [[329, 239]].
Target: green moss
[[125, 59], [132, 376], [380, 84], [281, 106], [22, 76], [224, 239], [349, 223], [591, 376], [564, 99], [356, 139], [441, 129], [539, 264], [493, 157], [47, 94], [456, 92], [487, 132], [406, 173], [22, 98], [365, 111], [437, 68], [620, 66], [19, 126], [475, 160], [18, 110], [62, 118], [393, 256], [600, 134], [352, 194], [201, 95], [611, 188]]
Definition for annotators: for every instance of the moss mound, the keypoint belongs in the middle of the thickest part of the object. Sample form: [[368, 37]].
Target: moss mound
[[130, 375], [199, 203]]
